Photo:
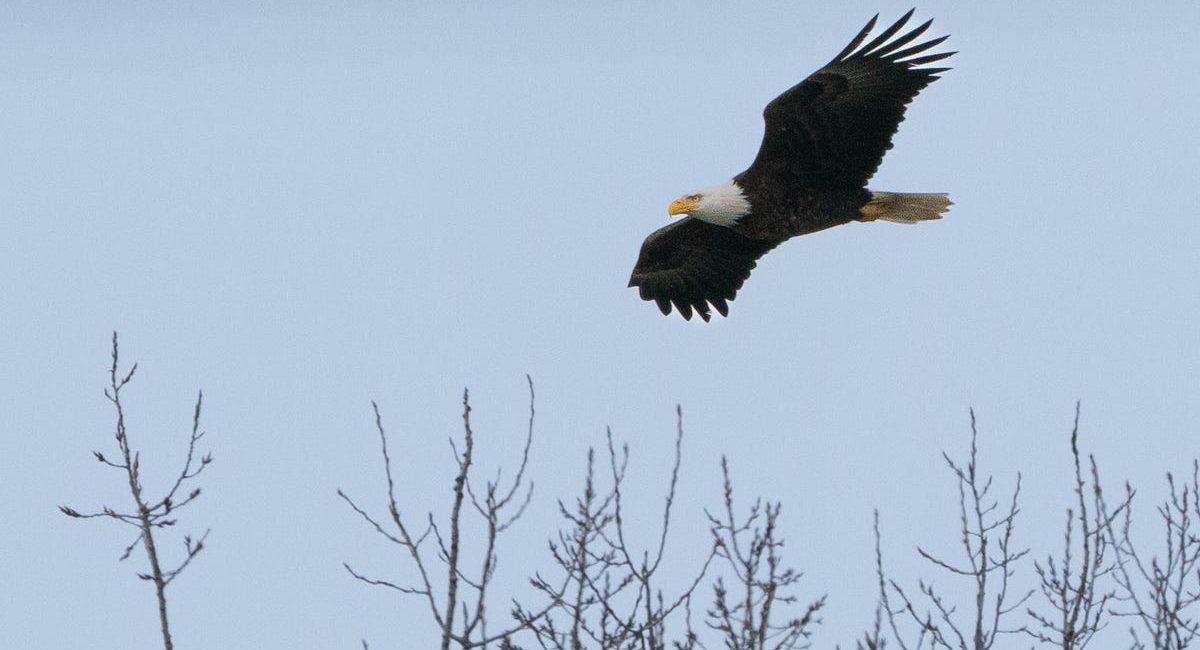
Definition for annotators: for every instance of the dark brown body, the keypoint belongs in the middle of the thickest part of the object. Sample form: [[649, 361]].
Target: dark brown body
[[779, 212]]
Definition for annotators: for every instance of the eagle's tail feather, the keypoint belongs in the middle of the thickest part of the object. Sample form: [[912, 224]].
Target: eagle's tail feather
[[899, 207]]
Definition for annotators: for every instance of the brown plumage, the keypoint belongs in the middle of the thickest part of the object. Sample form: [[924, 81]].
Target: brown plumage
[[823, 140]]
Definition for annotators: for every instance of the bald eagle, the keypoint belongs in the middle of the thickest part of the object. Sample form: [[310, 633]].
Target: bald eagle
[[824, 138]]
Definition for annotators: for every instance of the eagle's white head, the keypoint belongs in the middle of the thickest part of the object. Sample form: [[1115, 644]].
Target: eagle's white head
[[722, 205]]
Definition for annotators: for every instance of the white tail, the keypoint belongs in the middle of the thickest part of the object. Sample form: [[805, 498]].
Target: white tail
[[898, 207]]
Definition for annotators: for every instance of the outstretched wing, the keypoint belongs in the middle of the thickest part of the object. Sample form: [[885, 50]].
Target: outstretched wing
[[834, 127], [692, 263]]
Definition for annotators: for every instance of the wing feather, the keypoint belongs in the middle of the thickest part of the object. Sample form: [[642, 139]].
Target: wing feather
[[917, 49], [862, 35], [903, 40], [691, 264], [833, 128], [889, 32]]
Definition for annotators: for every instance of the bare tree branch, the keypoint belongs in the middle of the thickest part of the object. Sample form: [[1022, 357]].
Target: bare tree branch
[[751, 549], [985, 534], [1160, 592], [462, 621], [1075, 606], [150, 514]]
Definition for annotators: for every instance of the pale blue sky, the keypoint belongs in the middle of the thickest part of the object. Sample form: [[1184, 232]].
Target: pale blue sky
[[303, 208]]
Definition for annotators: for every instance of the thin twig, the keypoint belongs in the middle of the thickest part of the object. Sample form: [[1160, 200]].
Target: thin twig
[[150, 514]]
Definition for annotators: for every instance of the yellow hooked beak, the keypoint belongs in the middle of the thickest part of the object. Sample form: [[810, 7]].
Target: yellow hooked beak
[[683, 206]]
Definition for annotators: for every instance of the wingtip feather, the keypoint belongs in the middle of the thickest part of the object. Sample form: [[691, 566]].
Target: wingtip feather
[[900, 56], [857, 40], [685, 310], [721, 305], [921, 60], [886, 34], [887, 48]]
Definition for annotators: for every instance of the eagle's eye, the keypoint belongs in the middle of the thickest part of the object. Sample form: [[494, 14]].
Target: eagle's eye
[[694, 197]]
